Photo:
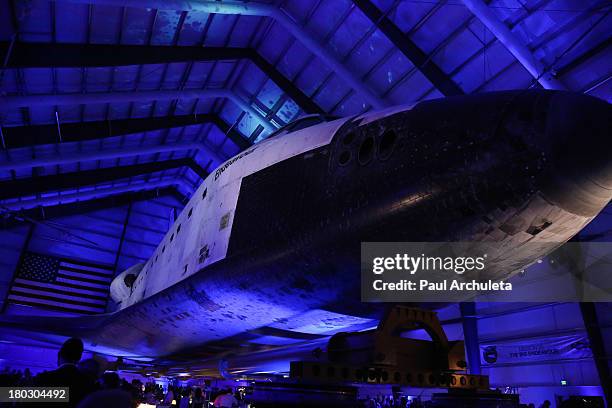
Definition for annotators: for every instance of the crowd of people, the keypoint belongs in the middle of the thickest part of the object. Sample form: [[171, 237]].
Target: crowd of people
[[389, 401], [91, 387], [386, 401]]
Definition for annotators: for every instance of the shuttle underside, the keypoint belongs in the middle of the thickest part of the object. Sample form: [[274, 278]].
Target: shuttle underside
[[272, 248]]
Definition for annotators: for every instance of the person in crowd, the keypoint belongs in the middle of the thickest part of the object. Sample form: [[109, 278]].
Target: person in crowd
[[226, 400], [136, 389], [109, 395], [169, 397], [185, 398], [90, 368], [27, 377], [151, 394], [545, 404], [178, 396], [373, 403], [67, 374], [198, 398], [158, 390]]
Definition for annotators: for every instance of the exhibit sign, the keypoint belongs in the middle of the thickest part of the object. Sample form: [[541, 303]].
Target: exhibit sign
[[568, 347]]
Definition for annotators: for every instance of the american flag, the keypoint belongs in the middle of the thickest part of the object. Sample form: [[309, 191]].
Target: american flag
[[61, 284]]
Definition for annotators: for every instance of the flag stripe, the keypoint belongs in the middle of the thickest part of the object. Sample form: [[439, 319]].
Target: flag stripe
[[85, 263], [76, 268], [45, 294], [80, 287], [79, 278], [55, 288], [52, 307], [86, 275], [51, 302], [80, 283]]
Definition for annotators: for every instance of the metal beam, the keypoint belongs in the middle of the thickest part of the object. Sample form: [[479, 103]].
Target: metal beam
[[90, 194], [255, 9], [513, 44], [24, 136], [596, 340], [122, 97], [418, 57], [287, 85], [103, 155], [82, 207], [54, 55], [66, 55], [32, 186], [582, 58], [120, 247]]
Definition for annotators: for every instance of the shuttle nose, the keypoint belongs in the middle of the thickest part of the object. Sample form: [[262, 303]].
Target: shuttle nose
[[578, 133]]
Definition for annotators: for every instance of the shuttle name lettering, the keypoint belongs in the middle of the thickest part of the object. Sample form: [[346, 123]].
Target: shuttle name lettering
[[221, 169]]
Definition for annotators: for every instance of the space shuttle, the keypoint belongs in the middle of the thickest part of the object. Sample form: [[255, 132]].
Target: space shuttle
[[270, 241]]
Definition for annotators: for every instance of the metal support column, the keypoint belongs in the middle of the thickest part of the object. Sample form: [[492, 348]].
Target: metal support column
[[470, 336], [123, 231], [512, 43], [593, 329], [24, 250]]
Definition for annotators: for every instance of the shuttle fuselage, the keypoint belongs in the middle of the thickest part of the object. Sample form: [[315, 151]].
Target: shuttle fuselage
[[274, 233]]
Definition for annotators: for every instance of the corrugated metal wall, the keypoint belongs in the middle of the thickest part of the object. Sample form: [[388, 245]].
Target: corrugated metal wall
[[94, 235], [11, 244], [522, 323]]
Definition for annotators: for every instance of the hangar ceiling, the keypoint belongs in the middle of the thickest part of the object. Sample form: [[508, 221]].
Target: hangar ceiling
[[103, 98]]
